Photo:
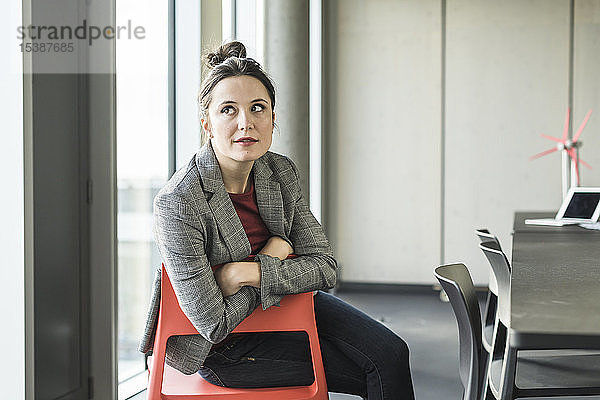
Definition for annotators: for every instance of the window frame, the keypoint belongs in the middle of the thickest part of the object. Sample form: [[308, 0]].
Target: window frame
[[137, 383], [184, 46]]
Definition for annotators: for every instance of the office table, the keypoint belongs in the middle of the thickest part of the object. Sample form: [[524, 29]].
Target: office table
[[555, 304], [555, 286]]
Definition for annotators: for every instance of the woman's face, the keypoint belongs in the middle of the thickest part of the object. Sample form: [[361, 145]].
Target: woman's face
[[240, 120]]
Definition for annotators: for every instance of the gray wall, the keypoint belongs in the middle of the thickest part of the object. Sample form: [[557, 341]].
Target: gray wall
[[68, 150], [57, 175], [431, 117], [60, 238]]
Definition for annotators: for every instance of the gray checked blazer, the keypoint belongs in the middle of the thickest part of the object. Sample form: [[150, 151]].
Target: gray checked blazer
[[196, 226]]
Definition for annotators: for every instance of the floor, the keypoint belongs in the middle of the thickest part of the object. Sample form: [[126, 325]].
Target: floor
[[429, 328]]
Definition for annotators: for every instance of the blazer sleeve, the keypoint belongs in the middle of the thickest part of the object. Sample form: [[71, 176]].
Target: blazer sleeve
[[179, 235], [313, 269]]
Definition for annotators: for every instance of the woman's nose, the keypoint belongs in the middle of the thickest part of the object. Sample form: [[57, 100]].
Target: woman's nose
[[245, 121]]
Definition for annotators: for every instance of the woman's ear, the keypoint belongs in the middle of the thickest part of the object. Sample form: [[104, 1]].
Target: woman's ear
[[205, 123], [273, 118]]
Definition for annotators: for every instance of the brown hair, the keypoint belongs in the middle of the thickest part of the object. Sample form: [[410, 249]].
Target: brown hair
[[227, 61]]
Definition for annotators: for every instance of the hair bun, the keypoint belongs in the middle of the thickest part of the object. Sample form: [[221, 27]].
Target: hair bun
[[228, 50]]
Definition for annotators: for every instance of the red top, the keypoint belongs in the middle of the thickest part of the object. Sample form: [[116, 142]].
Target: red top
[[247, 210]]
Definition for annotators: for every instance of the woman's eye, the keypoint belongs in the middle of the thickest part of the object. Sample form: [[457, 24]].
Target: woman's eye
[[227, 110], [257, 107]]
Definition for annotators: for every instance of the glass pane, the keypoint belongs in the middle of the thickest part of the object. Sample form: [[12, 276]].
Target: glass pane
[[142, 165]]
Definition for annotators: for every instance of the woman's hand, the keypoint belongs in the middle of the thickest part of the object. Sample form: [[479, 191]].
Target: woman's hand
[[232, 276], [277, 247]]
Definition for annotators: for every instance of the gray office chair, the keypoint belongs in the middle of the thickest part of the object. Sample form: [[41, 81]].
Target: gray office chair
[[543, 373], [491, 303], [501, 271], [456, 281]]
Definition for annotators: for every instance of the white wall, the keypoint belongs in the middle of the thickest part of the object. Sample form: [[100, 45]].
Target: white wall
[[586, 85], [12, 295], [382, 133], [507, 82], [394, 212]]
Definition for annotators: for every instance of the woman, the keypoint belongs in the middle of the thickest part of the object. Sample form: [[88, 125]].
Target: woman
[[238, 208]]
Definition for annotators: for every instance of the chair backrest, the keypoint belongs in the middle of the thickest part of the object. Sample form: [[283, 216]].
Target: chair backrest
[[501, 268], [484, 235], [456, 281]]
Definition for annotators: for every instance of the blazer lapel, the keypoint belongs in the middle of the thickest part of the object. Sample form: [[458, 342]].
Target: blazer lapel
[[227, 220], [268, 198]]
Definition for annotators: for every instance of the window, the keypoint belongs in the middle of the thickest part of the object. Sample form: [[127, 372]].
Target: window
[[142, 167]]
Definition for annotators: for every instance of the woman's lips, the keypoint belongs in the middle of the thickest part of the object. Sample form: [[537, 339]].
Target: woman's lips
[[246, 141]]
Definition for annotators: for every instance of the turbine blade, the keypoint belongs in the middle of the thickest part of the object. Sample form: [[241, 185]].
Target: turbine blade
[[585, 120], [584, 163], [543, 153], [566, 128], [573, 156], [557, 140]]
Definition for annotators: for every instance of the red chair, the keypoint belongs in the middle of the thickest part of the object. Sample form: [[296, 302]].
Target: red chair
[[295, 314]]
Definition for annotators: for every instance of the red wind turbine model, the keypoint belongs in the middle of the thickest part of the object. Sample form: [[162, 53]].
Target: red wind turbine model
[[570, 149]]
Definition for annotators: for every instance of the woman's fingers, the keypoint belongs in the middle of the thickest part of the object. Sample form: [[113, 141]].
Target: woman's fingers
[[277, 247]]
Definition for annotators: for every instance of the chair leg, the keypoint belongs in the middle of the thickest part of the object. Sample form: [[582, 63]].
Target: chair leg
[[509, 371], [496, 353], [485, 375], [155, 378], [488, 395], [157, 368]]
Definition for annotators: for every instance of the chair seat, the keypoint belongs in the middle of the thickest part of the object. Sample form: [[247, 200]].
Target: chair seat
[[537, 371], [178, 386]]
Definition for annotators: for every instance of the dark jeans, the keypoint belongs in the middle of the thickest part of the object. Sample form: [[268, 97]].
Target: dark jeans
[[360, 355]]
